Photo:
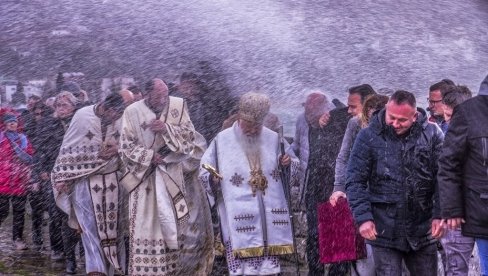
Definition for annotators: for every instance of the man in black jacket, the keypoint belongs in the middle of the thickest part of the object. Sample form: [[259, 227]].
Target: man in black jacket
[[391, 186], [463, 172]]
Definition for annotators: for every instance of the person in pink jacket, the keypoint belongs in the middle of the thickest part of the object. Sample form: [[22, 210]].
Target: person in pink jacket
[[15, 160]]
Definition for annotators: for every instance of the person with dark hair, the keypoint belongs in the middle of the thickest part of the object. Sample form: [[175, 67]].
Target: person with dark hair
[[463, 172], [37, 191], [436, 108], [391, 187], [453, 96], [207, 107], [161, 151], [358, 96], [457, 249], [85, 178], [15, 160]]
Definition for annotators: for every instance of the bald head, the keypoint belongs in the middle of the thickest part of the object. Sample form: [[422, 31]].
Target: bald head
[[127, 95], [157, 94]]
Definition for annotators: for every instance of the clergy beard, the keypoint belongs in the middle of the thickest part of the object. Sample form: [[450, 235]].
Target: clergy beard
[[250, 144]]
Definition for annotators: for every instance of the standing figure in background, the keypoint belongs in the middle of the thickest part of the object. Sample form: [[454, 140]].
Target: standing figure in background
[[38, 189], [15, 160], [436, 108], [318, 137], [463, 172], [51, 131]]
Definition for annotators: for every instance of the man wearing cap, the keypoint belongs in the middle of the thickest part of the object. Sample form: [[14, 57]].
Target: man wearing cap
[[170, 226], [250, 198], [85, 178]]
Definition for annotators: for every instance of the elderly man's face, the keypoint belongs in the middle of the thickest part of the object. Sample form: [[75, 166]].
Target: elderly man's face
[[315, 107], [64, 108], [250, 129], [400, 116], [158, 97]]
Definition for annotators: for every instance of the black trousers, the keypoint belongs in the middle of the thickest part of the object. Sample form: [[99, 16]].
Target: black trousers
[[37, 202], [18, 210], [55, 221], [388, 261]]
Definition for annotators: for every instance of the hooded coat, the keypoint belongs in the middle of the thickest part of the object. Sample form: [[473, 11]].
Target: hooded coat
[[391, 181]]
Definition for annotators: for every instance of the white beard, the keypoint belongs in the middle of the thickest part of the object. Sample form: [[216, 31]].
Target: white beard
[[251, 145]]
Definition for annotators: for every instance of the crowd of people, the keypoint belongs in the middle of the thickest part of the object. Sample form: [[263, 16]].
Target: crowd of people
[[158, 180]]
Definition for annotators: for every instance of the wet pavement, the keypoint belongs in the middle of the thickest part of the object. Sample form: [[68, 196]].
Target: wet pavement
[[32, 262]]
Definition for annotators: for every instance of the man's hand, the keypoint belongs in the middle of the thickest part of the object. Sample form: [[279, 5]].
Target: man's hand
[[334, 197], [62, 187], [285, 160], [437, 228], [368, 230], [45, 176], [454, 223], [324, 119], [108, 151], [157, 126], [157, 159]]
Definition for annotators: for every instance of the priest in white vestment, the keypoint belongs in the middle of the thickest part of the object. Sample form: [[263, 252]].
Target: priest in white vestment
[[169, 217], [85, 178], [250, 198]]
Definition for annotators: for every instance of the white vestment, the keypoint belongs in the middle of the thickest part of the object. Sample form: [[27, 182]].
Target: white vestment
[[255, 227], [170, 226], [93, 203]]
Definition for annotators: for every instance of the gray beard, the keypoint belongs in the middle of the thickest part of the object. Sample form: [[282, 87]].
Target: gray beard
[[251, 145]]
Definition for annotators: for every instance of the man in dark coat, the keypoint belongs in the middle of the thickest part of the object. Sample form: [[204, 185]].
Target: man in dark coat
[[391, 187], [463, 172]]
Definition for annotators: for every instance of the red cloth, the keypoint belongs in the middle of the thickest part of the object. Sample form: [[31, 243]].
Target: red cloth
[[14, 175], [339, 240]]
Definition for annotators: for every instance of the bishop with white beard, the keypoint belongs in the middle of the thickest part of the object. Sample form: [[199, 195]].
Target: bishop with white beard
[[250, 198]]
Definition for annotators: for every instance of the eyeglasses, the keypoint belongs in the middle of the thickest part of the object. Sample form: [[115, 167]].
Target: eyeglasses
[[433, 102]]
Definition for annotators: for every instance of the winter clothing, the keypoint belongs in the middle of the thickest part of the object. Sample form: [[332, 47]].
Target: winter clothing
[[317, 149], [14, 163], [422, 262], [391, 180], [18, 211], [463, 173], [352, 130]]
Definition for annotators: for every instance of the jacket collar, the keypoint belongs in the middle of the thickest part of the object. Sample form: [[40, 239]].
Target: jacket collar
[[379, 126], [484, 87]]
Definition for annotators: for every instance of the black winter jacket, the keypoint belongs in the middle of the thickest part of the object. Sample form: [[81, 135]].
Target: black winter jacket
[[463, 167], [391, 181]]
